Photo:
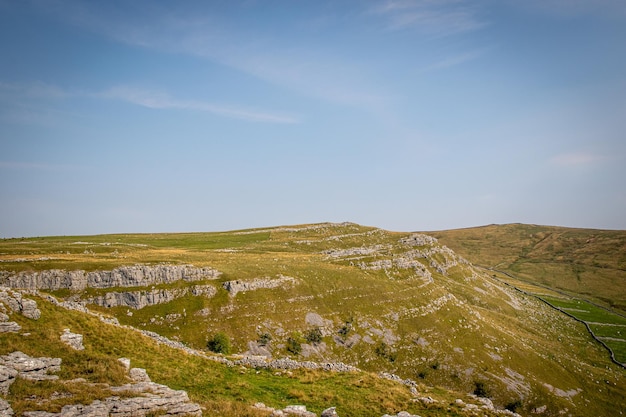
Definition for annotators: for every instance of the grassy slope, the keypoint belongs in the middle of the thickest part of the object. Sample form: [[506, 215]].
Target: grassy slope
[[481, 332], [220, 390], [590, 263]]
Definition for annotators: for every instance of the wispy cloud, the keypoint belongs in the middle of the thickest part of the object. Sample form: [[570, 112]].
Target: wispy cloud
[[573, 8], [577, 159], [438, 18], [159, 100], [155, 100], [238, 45], [458, 59]]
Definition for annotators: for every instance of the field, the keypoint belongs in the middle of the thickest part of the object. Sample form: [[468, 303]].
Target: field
[[378, 300]]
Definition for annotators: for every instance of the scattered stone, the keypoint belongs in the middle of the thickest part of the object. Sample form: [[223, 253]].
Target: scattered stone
[[15, 302], [5, 408], [125, 362], [139, 375], [7, 377], [329, 412], [402, 414], [298, 410], [9, 327], [73, 340], [35, 369], [29, 309]]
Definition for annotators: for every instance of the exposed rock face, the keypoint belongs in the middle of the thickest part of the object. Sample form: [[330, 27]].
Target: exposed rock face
[[151, 398], [137, 299], [233, 287], [16, 303], [290, 410], [19, 364], [125, 276], [9, 327], [73, 340], [5, 408], [141, 299], [7, 377]]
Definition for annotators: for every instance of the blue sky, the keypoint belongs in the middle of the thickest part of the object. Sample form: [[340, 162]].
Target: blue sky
[[150, 116]]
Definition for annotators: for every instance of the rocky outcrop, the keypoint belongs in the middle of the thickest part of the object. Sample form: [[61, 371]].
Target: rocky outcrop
[[19, 364], [151, 399], [140, 299], [290, 410], [234, 287], [15, 302], [5, 408], [73, 340], [125, 276], [137, 299]]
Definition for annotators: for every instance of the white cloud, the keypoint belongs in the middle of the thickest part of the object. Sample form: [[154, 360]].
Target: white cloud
[[16, 93], [458, 59], [572, 8], [438, 18], [158, 100]]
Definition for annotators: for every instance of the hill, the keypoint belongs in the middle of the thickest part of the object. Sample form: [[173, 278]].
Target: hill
[[586, 262], [381, 301]]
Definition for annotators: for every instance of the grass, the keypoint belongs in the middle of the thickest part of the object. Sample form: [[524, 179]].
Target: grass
[[461, 328], [587, 263], [230, 391]]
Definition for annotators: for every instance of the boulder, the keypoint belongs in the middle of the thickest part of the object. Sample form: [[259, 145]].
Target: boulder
[[73, 340], [330, 412], [7, 377], [5, 408]]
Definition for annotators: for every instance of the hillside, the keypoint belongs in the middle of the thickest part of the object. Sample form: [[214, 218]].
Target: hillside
[[380, 301], [587, 262]]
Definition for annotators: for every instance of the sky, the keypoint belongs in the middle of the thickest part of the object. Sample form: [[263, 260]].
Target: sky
[[161, 116]]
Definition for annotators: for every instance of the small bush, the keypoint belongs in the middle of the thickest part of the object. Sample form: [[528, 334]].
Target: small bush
[[346, 328], [219, 344], [384, 351], [480, 390], [514, 406], [314, 336], [264, 339], [293, 346]]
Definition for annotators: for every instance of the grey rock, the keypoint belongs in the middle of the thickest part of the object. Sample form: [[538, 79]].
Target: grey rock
[[73, 340], [330, 412], [16, 303], [5, 408], [7, 377], [29, 309], [35, 369], [298, 410], [126, 276], [137, 299], [234, 287], [139, 375], [9, 327], [125, 362]]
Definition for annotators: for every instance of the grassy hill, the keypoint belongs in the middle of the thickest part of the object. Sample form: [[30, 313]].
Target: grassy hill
[[586, 262], [378, 300]]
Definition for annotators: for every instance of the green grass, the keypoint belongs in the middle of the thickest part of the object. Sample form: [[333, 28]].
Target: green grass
[[461, 328], [230, 390], [587, 263]]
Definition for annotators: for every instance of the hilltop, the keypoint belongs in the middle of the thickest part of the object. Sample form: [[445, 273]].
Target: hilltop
[[342, 294]]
